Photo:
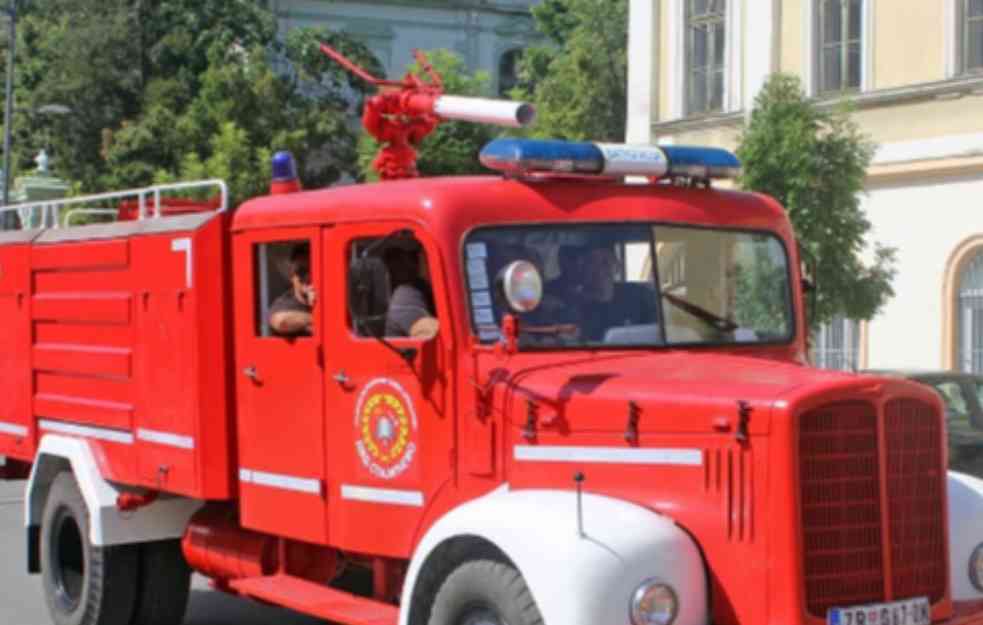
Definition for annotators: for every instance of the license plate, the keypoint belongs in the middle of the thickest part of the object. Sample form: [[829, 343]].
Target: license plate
[[908, 612]]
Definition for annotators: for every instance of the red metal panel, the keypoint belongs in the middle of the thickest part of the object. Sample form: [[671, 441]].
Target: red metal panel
[[97, 412], [16, 426], [95, 336], [363, 520], [89, 306], [166, 366], [75, 256], [96, 360], [281, 412]]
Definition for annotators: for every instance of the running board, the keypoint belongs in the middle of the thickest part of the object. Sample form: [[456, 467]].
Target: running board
[[317, 600]]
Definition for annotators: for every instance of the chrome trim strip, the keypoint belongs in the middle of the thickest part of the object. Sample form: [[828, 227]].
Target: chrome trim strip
[[88, 431], [15, 430], [609, 455], [166, 438], [382, 495], [283, 482]]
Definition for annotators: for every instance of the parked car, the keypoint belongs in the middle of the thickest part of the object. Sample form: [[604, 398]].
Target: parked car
[[963, 397]]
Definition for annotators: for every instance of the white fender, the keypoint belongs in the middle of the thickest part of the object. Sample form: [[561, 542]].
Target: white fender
[[965, 531], [577, 580], [164, 519]]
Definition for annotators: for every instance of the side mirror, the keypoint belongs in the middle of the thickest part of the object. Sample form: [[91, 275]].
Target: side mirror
[[521, 286], [368, 295], [807, 271]]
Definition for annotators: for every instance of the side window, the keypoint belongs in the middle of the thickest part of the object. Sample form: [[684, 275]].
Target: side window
[[284, 295], [399, 267]]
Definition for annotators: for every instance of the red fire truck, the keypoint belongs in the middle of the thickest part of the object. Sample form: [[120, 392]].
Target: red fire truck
[[606, 418]]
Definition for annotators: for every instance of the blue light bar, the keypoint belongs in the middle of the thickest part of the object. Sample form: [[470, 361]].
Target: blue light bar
[[701, 162], [535, 156]]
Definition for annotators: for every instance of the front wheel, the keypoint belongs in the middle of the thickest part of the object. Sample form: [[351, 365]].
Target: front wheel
[[83, 584], [484, 592]]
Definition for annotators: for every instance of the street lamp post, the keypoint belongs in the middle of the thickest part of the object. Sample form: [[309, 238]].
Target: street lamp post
[[10, 221]]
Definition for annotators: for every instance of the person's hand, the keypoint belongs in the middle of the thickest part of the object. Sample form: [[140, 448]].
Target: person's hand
[[309, 295]]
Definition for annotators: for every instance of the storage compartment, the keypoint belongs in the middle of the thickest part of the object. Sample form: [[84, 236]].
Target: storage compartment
[[131, 339]]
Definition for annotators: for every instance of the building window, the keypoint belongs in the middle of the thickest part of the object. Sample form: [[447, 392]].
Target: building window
[[969, 309], [706, 50], [971, 35], [839, 58], [508, 72], [836, 345]]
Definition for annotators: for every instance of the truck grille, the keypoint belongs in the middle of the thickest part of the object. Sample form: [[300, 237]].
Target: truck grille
[[842, 501], [841, 506], [914, 493]]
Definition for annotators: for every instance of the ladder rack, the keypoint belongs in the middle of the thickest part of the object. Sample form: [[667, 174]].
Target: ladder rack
[[149, 200]]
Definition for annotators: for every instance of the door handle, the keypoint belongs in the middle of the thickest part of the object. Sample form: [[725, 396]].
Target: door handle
[[342, 378], [251, 373]]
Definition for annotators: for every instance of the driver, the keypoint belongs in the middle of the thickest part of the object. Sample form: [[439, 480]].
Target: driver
[[603, 303], [290, 314]]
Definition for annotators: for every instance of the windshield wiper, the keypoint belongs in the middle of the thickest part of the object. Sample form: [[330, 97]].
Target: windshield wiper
[[704, 315]]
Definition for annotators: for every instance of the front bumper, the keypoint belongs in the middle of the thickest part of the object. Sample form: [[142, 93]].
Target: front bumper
[[964, 613]]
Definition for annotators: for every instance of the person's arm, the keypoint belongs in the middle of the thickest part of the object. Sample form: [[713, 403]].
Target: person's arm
[[292, 322], [408, 314]]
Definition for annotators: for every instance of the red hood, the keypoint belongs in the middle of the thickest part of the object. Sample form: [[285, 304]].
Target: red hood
[[672, 391]]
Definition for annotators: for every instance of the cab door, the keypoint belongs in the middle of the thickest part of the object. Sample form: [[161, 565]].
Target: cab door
[[389, 418], [280, 386]]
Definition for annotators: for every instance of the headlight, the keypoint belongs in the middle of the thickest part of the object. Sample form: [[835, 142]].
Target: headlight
[[655, 603], [976, 567]]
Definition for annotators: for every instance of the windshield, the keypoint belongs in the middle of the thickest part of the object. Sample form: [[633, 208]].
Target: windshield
[[635, 285]]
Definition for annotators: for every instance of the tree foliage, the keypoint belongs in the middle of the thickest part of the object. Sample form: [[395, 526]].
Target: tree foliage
[[452, 149], [578, 79], [815, 162], [177, 88]]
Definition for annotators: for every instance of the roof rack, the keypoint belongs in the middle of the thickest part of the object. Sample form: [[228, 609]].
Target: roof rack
[[133, 204]]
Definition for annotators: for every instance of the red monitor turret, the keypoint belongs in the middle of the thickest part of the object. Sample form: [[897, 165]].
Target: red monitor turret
[[404, 112]]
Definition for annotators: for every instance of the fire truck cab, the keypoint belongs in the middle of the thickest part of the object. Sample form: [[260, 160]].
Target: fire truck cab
[[606, 416]]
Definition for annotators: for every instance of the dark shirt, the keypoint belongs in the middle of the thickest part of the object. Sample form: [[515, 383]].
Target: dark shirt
[[410, 302], [288, 302], [629, 306]]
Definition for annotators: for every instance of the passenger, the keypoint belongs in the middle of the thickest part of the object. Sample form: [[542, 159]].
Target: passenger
[[291, 313], [411, 307]]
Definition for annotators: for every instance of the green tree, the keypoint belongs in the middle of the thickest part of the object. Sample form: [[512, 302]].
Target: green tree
[[814, 162], [578, 80], [453, 148], [177, 88]]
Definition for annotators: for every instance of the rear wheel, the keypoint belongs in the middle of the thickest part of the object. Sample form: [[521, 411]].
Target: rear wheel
[[484, 592], [165, 581], [83, 584]]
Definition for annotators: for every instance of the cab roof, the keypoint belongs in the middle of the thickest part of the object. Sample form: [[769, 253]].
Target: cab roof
[[461, 203]]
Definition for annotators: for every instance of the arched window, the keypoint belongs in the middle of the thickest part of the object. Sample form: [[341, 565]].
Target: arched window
[[969, 315], [508, 71]]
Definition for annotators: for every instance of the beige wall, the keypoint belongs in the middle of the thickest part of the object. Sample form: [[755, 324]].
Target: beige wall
[[665, 60], [790, 52], [909, 42]]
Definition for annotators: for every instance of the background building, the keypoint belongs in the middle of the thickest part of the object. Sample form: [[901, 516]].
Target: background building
[[487, 34], [914, 72]]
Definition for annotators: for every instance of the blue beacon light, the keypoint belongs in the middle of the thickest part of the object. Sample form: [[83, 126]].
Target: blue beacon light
[[285, 178], [521, 157]]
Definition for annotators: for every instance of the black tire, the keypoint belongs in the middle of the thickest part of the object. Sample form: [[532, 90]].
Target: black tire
[[83, 584], [165, 582], [484, 592]]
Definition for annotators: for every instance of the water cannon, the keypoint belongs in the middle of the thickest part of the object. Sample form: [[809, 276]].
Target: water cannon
[[402, 113]]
